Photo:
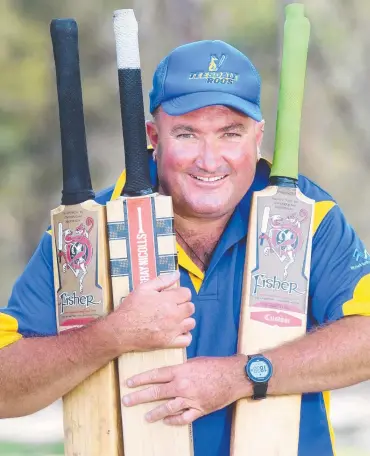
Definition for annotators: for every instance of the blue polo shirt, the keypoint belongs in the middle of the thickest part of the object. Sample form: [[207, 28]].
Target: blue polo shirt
[[339, 286]]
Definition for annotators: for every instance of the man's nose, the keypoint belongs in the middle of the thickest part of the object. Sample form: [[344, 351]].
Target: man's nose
[[209, 157]]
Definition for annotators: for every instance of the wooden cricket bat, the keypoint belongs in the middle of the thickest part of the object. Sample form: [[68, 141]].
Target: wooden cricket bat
[[277, 268], [142, 245], [92, 425]]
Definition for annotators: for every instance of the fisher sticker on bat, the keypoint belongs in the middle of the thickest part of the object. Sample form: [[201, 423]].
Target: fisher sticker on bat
[[283, 235], [76, 249], [279, 278], [80, 297]]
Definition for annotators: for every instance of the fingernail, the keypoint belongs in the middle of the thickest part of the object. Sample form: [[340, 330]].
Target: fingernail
[[126, 400], [148, 417], [129, 383]]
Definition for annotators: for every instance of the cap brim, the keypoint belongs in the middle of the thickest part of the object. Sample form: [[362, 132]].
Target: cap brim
[[190, 102]]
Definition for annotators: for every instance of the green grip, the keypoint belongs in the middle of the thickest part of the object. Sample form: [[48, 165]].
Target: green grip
[[292, 80]]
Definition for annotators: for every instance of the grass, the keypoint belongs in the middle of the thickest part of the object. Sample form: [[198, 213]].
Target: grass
[[56, 449], [351, 452], [23, 449]]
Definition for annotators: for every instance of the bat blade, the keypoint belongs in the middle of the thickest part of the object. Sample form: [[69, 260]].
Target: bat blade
[[275, 295], [80, 259], [277, 270], [142, 245]]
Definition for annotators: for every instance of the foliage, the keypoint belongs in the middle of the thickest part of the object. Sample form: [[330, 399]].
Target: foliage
[[335, 134]]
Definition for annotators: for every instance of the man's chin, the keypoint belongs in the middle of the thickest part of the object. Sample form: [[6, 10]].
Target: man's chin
[[203, 211]]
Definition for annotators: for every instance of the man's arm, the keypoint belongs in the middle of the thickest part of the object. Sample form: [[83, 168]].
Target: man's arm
[[331, 357], [34, 372], [37, 366], [334, 354]]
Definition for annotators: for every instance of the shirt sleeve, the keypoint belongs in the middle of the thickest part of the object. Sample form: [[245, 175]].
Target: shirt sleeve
[[340, 270], [31, 308]]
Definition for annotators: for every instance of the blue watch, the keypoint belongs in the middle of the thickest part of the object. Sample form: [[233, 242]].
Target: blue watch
[[259, 371]]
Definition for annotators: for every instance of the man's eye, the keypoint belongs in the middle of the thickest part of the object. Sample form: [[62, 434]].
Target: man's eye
[[232, 135], [186, 135]]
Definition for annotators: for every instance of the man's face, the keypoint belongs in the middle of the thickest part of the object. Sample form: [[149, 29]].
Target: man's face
[[206, 159]]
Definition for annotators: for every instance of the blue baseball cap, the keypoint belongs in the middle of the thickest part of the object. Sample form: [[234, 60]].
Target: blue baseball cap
[[206, 73]]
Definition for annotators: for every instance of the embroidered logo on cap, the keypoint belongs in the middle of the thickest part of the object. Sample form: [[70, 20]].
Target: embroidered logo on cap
[[213, 75]]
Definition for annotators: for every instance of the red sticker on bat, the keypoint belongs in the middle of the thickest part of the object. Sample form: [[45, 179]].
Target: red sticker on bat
[[273, 318], [77, 321], [141, 235]]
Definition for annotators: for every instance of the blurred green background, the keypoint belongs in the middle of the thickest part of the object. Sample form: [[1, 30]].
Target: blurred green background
[[334, 145]]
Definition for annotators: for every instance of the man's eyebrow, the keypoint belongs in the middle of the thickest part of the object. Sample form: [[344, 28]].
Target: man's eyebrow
[[183, 127], [233, 126]]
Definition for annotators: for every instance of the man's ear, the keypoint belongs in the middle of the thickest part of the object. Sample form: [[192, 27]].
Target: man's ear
[[259, 128], [152, 132]]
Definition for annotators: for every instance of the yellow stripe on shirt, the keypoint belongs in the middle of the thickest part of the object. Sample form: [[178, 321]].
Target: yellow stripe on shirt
[[326, 396], [8, 330], [360, 302], [322, 208], [196, 275]]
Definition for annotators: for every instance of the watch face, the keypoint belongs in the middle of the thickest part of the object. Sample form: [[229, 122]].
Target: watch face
[[259, 369]]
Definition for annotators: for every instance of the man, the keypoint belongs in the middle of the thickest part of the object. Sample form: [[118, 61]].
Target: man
[[206, 134]]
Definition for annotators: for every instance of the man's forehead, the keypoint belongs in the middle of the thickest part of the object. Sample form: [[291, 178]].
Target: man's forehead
[[215, 114]]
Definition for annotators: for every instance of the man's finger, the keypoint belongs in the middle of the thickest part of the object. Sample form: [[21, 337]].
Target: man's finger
[[188, 325], [182, 341], [151, 394], [187, 417], [161, 375], [161, 282], [187, 309], [170, 408], [178, 295]]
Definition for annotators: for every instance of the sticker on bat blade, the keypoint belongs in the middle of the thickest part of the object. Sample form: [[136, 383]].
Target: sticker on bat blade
[[273, 318], [80, 298], [142, 246], [283, 235], [281, 269], [75, 247]]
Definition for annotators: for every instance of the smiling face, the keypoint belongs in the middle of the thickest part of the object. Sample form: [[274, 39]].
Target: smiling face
[[206, 159]]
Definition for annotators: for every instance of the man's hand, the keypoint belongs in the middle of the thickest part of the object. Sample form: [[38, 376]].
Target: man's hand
[[190, 390], [154, 316]]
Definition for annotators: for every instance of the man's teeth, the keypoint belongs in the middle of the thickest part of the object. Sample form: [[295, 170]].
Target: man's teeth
[[209, 179]]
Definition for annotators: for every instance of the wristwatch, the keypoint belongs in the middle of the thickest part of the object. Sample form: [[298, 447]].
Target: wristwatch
[[259, 371]]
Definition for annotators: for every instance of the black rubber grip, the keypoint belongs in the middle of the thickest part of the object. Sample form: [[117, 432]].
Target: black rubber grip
[[283, 181], [134, 134], [76, 173]]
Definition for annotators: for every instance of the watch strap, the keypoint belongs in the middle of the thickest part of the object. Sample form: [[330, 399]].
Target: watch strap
[[259, 391]]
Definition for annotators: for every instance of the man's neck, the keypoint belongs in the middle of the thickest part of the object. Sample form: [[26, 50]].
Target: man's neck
[[199, 237]]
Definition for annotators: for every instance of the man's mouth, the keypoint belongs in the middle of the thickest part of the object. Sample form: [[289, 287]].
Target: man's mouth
[[208, 179]]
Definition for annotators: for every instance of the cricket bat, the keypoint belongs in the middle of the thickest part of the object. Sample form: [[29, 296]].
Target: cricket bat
[[277, 267], [142, 246], [91, 413]]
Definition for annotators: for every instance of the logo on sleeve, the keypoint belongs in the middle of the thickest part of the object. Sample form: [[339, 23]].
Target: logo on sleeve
[[361, 258]]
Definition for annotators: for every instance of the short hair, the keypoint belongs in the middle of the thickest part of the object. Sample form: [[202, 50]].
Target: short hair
[[155, 113]]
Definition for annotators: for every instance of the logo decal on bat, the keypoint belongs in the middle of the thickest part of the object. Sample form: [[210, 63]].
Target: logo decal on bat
[[283, 235], [273, 318], [75, 248], [262, 281]]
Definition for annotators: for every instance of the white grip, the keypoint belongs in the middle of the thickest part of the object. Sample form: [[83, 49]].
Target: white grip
[[127, 40]]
